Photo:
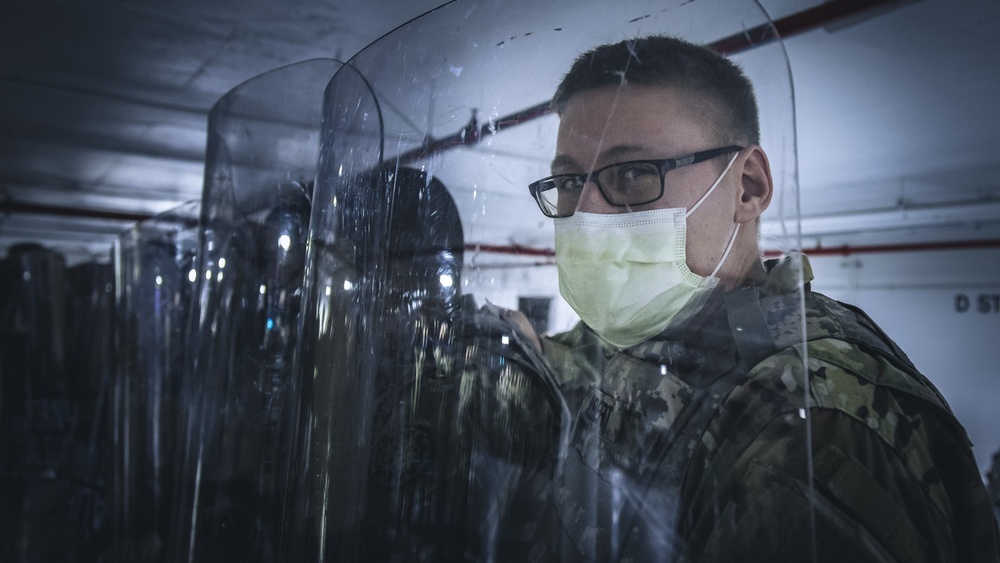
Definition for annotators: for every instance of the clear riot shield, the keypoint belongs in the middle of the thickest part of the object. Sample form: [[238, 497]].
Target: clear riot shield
[[451, 433], [36, 403], [238, 390], [90, 351], [154, 263]]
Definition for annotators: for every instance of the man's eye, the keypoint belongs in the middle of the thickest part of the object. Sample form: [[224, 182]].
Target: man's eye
[[568, 184], [636, 172]]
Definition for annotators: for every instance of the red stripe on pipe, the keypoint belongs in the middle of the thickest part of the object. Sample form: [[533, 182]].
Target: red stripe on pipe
[[845, 250]]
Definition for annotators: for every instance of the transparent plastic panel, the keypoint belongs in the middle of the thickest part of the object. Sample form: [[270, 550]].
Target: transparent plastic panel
[[36, 403], [55, 368], [90, 355], [336, 428], [154, 265], [443, 424], [238, 390]]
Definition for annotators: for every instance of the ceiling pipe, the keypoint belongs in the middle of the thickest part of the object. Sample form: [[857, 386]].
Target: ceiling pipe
[[835, 11], [823, 15], [843, 250], [9, 207]]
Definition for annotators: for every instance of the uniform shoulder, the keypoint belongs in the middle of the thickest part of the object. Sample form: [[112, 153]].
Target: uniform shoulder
[[880, 443], [832, 375], [577, 356]]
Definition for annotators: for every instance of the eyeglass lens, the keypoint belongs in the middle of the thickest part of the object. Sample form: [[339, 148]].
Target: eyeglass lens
[[629, 183]]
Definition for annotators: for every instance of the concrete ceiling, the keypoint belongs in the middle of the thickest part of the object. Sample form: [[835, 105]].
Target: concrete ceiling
[[104, 108]]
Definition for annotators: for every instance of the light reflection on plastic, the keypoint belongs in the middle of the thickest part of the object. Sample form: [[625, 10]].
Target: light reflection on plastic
[[505, 340], [270, 324], [208, 274], [348, 285], [340, 172], [263, 289], [159, 280], [285, 241], [446, 280], [192, 276], [329, 290], [219, 277], [222, 263]]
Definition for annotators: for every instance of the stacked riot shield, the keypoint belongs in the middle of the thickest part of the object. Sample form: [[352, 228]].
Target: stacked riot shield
[[55, 372], [239, 395], [90, 351], [434, 428], [155, 262], [35, 402]]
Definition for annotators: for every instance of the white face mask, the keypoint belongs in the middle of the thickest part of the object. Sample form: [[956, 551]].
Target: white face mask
[[626, 274]]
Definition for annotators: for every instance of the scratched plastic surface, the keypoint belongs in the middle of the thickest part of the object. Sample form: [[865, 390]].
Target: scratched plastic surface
[[153, 264], [238, 390], [432, 429], [209, 308], [349, 386]]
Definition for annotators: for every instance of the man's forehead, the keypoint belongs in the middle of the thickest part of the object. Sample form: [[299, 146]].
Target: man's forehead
[[658, 93], [631, 122], [616, 114], [564, 161]]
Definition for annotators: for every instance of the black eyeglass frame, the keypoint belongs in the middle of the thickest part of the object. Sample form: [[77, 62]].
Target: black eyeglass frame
[[663, 165]]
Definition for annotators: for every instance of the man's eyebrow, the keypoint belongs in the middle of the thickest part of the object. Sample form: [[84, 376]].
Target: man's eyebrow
[[565, 162], [620, 150]]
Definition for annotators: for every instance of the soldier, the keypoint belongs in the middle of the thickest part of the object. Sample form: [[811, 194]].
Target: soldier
[[705, 428]]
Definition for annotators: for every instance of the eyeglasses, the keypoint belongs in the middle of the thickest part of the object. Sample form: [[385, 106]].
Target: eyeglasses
[[623, 184]]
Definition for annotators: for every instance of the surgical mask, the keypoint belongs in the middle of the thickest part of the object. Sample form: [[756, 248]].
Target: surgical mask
[[626, 274]]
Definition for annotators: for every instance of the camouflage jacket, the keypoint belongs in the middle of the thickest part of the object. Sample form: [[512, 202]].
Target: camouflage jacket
[[699, 445]]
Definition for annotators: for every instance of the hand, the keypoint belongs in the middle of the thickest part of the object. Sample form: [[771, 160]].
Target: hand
[[520, 322]]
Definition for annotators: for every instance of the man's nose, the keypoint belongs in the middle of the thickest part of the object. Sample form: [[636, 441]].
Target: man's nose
[[591, 200]]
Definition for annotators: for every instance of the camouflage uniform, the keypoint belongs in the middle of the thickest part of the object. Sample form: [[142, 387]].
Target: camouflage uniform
[[695, 446]]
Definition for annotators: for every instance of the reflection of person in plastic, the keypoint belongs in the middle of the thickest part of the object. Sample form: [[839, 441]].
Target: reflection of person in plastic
[[691, 440], [463, 413]]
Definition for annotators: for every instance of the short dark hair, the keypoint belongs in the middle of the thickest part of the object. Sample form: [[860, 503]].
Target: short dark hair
[[669, 61]]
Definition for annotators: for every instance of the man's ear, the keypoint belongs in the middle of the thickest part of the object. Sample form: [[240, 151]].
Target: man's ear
[[756, 186]]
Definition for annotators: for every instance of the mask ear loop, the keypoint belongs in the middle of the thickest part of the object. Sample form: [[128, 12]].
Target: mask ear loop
[[732, 239], [710, 190], [725, 254]]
